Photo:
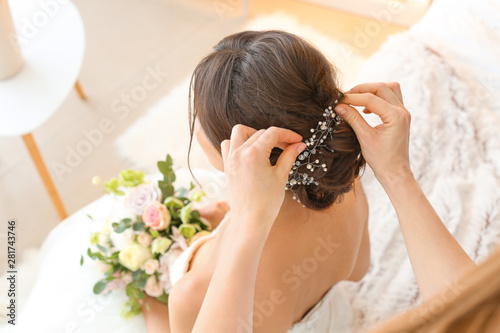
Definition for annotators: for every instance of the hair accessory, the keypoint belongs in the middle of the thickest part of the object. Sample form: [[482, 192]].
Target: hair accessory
[[320, 134]]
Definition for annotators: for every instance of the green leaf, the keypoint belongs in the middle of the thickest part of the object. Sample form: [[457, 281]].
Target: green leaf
[[141, 282], [182, 192], [137, 274], [172, 201], [185, 214], [131, 290], [100, 286], [94, 255], [81, 260], [139, 226], [119, 227], [102, 248], [90, 217], [167, 189], [163, 298], [130, 309]]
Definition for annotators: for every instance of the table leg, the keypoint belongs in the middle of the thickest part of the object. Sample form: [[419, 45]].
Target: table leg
[[44, 174], [79, 90]]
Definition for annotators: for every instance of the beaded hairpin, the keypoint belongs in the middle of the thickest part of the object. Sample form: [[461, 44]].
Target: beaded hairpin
[[323, 130]]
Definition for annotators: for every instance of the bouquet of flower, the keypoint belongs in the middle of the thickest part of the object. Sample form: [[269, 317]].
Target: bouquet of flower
[[135, 250]]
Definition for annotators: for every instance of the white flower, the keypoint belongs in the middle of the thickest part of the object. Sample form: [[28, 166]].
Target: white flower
[[151, 266], [134, 256], [144, 238], [103, 239], [140, 196], [123, 239], [129, 235], [153, 288]]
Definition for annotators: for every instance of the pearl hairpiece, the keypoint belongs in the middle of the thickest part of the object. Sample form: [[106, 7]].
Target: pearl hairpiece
[[323, 130]]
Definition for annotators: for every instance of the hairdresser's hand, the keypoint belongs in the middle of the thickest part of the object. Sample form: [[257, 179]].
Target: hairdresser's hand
[[257, 188], [384, 147]]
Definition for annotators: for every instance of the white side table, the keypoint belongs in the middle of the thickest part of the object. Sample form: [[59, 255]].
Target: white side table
[[52, 41]]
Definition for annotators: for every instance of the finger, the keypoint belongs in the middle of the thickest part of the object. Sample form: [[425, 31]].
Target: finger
[[274, 136], [257, 135], [239, 134], [253, 138], [288, 157], [353, 118], [224, 149], [380, 89], [396, 89], [386, 111]]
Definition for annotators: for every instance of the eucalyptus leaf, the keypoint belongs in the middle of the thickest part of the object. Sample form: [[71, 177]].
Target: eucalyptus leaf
[[99, 287], [138, 226]]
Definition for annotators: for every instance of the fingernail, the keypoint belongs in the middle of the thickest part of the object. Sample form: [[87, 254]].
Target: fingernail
[[301, 147], [341, 110]]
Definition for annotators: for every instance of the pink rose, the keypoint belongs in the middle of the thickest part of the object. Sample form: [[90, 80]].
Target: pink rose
[[127, 277], [151, 266], [144, 238], [156, 216], [153, 287]]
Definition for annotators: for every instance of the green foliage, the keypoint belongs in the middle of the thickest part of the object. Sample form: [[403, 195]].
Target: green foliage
[[112, 185], [131, 178], [94, 237], [131, 308], [122, 225], [138, 226], [100, 286], [163, 298], [166, 185]]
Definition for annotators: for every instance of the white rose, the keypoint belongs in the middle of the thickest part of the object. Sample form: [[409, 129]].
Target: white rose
[[144, 238], [103, 240], [151, 266], [123, 239], [129, 235], [153, 288], [140, 196], [134, 256]]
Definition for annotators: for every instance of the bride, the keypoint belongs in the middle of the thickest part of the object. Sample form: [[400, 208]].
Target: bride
[[275, 257], [278, 253]]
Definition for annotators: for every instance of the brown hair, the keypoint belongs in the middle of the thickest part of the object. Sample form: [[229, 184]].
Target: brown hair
[[274, 78]]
